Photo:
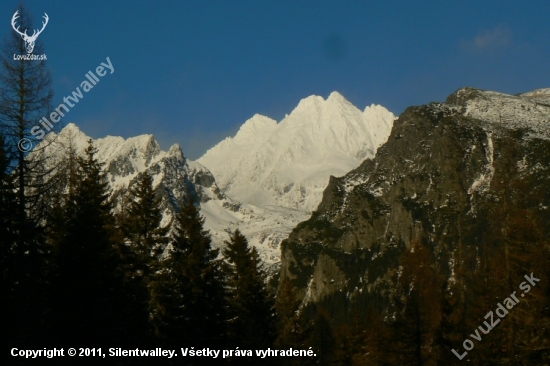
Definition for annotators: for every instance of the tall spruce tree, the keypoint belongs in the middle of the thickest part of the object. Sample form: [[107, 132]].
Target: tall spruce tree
[[169, 292], [8, 233], [251, 306], [141, 241], [25, 97], [8, 241], [287, 304], [145, 237], [88, 297], [363, 342], [318, 333], [188, 291]]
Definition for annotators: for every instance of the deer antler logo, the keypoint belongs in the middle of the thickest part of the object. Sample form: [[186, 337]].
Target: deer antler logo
[[29, 40]]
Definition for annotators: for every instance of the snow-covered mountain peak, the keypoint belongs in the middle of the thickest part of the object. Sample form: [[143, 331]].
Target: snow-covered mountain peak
[[271, 174], [337, 98], [176, 178], [316, 116], [335, 95], [254, 128], [138, 151], [71, 128], [306, 104], [71, 134], [290, 165], [175, 150]]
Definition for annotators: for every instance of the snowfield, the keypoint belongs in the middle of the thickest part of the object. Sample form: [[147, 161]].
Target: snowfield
[[263, 181], [288, 163]]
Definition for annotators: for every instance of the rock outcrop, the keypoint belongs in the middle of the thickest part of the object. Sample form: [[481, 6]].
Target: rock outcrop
[[444, 168]]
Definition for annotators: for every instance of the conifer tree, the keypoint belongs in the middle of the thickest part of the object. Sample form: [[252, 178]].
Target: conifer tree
[[251, 307], [140, 241], [358, 343], [66, 180], [88, 291], [188, 292], [8, 231], [8, 240], [319, 334], [25, 97], [287, 305], [169, 293], [145, 238]]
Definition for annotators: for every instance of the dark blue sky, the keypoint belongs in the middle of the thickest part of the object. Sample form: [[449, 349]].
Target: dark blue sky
[[193, 71]]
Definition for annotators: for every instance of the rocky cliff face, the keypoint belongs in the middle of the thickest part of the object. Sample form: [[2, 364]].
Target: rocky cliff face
[[264, 181], [444, 168], [176, 178]]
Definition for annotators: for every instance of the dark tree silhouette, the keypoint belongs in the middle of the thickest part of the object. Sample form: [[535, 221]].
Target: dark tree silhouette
[[141, 240], [25, 97], [251, 306], [287, 305], [89, 303], [187, 290]]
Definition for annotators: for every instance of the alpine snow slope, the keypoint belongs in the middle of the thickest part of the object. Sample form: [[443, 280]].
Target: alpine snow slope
[[176, 178], [295, 157], [288, 164], [538, 95]]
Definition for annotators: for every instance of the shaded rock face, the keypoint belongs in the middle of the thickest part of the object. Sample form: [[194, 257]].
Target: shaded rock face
[[443, 169], [180, 180], [176, 179]]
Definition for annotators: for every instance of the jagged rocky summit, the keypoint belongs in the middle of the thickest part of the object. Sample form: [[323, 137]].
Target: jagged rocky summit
[[444, 168], [176, 178], [315, 125]]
